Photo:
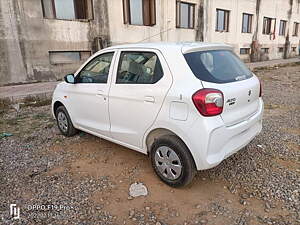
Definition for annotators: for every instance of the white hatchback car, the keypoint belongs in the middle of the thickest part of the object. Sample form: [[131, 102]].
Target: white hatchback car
[[187, 105]]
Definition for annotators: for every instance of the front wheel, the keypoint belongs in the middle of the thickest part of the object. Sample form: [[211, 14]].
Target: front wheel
[[64, 122], [172, 161]]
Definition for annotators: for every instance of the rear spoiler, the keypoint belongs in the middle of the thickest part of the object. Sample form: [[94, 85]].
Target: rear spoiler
[[198, 47]]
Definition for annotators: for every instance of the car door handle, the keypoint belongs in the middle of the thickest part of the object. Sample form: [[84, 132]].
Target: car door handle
[[149, 99], [101, 93]]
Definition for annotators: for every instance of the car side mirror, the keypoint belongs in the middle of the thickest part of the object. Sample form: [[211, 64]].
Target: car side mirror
[[69, 78]]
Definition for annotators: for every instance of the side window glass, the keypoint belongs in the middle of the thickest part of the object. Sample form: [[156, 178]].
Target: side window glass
[[97, 70], [139, 68]]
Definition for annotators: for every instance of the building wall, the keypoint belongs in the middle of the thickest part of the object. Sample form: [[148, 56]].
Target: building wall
[[11, 45], [164, 30], [26, 37], [234, 37], [44, 35], [278, 9]]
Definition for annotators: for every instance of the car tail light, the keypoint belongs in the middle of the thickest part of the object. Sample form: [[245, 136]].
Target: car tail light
[[260, 89], [209, 102]]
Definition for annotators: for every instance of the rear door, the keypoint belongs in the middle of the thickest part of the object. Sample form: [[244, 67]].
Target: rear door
[[140, 85], [223, 70]]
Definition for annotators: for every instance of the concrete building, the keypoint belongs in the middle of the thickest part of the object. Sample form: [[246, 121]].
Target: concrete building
[[42, 40]]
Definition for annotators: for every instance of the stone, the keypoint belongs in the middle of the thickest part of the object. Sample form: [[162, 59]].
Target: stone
[[267, 205], [203, 221], [243, 202], [138, 189], [244, 196]]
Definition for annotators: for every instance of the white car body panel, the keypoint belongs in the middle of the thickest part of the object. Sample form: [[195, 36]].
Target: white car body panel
[[131, 115], [133, 107], [94, 98], [244, 105]]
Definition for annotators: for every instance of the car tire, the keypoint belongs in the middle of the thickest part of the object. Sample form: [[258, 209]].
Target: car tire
[[64, 122], [172, 161]]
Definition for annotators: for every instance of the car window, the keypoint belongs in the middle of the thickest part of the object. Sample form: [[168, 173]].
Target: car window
[[139, 68], [97, 70], [218, 66]]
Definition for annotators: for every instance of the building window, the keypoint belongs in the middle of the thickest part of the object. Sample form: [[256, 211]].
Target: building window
[[280, 49], [222, 20], [244, 51], [139, 12], [282, 27], [185, 15], [247, 23], [265, 50], [63, 57], [269, 25], [295, 29], [67, 9], [294, 49]]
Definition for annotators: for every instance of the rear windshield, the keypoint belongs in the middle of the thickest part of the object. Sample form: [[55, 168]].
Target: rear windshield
[[217, 66]]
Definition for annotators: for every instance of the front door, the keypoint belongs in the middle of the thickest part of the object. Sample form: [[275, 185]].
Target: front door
[[89, 95], [137, 92]]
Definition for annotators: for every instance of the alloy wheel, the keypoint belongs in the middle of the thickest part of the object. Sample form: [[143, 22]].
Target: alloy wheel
[[168, 163], [62, 121]]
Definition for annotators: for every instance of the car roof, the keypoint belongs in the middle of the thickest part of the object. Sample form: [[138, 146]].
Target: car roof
[[184, 47]]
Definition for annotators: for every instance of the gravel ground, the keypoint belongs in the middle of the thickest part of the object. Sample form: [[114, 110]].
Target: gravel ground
[[85, 180]]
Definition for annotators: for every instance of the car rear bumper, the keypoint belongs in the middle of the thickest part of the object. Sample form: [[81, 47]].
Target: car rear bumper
[[224, 141]]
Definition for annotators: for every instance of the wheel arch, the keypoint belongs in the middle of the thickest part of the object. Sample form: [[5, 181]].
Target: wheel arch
[[159, 132], [56, 105], [154, 134]]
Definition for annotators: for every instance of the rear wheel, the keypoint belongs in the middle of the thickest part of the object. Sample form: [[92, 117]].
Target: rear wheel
[[172, 161], [64, 122]]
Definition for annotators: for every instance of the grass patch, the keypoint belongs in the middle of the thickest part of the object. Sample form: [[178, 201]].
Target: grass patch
[[271, 106], [40, 116], [12, 122], [35, 101], [275, 67], [4, 105]]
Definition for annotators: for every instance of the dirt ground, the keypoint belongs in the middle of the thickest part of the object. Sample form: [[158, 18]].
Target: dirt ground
[[258, 185]]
